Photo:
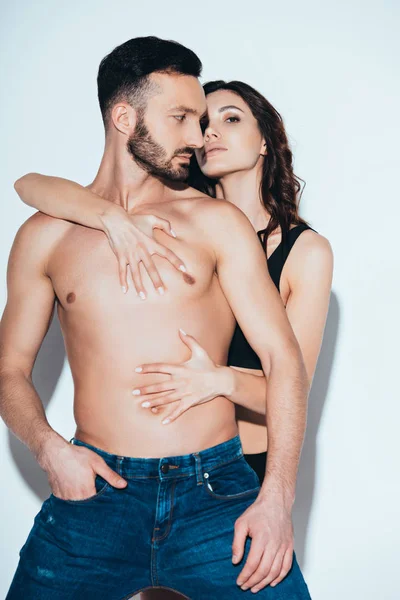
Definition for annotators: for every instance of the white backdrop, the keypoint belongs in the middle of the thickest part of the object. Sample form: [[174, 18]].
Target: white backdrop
[[330, 69]]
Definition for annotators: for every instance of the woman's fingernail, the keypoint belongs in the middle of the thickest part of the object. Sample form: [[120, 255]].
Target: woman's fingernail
[[234, 558], [161, 291], [181, 330], [145, 404], [138, 369], [136, 392], [165, 422], [142, 295], [173, 233], [183, 269], [123, 289]]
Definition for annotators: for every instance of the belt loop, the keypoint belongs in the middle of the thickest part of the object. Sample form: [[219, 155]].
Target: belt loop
[[199, 473]]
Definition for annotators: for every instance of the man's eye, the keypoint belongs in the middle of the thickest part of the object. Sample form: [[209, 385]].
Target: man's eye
[[180, 117]]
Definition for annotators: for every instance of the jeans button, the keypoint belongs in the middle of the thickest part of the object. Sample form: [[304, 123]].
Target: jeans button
[[164, 468]]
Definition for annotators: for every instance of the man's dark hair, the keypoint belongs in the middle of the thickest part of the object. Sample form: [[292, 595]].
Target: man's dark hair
[[124, 73]]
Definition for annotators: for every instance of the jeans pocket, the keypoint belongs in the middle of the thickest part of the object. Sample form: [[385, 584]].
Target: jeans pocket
[[101, 486], [232, 480]]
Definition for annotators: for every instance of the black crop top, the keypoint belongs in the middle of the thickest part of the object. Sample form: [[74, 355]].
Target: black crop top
[[241, 354]]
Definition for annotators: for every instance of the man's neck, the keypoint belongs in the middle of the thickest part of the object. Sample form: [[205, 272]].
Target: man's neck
[[122, 181]]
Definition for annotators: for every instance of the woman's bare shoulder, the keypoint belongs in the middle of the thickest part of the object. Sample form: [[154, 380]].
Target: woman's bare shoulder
[[311, 254]]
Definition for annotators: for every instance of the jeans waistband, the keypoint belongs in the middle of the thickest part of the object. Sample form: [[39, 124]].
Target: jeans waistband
[[171, 467]]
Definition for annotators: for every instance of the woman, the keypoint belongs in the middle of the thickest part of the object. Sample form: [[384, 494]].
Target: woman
[[245, 160]]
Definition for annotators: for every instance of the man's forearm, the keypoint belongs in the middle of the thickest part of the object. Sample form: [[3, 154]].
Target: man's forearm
[[286, 417], [23, 413]]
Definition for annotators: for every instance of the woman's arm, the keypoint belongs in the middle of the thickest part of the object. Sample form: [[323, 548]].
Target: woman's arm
[[130, 236], [309, 273], [64, 199]]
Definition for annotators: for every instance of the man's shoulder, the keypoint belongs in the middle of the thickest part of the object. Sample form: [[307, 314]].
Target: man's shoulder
[[44, 225], [205, 207], [40, 232]]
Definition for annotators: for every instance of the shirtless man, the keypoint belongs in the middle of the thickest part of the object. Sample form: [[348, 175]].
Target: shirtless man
[[136, 503]]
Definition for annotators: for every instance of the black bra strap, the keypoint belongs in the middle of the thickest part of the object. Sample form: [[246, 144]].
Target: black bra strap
[[291, 238]]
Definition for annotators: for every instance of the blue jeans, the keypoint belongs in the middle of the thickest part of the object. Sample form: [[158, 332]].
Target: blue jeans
[[172, 526]]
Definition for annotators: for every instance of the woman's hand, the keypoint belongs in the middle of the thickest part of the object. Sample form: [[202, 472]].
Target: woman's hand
[[195, 381], [131, 240]]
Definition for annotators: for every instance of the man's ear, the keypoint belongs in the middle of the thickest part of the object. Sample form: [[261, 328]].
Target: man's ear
[[263, 149], [124, 118]]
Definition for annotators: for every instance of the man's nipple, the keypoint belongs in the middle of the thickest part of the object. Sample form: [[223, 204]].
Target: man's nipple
[[71, 298], [188, 279]]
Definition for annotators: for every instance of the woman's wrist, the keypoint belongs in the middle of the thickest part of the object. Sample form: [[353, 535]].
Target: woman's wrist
[[226, 381], [113, 215]]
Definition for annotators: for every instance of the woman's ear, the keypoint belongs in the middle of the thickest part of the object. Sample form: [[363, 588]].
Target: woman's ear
[[124, 118], [263, 149]]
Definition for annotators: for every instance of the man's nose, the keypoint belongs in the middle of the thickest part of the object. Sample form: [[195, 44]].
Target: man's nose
[[195, 138]]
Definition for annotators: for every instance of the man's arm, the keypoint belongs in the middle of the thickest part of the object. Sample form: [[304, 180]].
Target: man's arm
[[259, 310], [26, 319]]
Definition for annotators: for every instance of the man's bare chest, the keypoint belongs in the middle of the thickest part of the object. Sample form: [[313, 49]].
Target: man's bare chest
[[84, 270]]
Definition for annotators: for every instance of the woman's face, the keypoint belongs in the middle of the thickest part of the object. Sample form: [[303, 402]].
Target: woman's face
[[232, 140]]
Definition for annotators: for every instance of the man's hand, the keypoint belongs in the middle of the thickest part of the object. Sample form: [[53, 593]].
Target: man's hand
[[268, 522], [72, 470]]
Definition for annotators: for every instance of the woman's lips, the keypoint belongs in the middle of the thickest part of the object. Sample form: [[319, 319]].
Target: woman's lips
[[213, 151]]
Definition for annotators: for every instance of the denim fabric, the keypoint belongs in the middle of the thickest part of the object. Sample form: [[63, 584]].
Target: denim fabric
[[172, 526]]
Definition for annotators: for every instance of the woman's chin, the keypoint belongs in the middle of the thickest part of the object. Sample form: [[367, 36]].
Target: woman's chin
[[215, 172]]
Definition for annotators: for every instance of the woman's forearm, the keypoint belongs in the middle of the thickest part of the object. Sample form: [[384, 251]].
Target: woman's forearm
[[244, 388], [64, 199]]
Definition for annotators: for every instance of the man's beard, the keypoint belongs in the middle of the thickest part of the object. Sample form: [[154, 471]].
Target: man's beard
[[152, 157]]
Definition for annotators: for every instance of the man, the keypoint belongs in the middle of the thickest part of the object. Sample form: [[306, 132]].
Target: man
[[135, 503]]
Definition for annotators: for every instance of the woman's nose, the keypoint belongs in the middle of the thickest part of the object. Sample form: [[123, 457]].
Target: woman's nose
[[210, 134]]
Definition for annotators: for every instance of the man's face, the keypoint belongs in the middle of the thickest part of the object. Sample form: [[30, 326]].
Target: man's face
[[168, 130]]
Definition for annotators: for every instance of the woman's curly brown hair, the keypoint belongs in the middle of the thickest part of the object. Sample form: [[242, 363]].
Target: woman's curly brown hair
[[280, 187]]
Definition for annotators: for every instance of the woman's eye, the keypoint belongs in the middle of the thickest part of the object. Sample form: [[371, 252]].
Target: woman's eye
[[233, 119], [180, 117]]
